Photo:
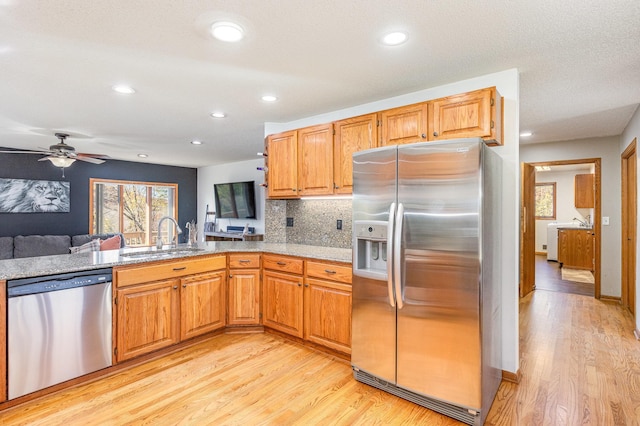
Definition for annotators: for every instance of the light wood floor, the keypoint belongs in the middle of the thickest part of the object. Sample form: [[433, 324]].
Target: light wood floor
[[579, 362], [549, 277]]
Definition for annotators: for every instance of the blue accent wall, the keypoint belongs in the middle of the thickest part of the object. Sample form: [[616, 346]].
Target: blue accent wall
[[27, 166]]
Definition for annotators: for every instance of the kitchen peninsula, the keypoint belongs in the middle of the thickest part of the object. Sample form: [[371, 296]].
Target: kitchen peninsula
[[164, 298]]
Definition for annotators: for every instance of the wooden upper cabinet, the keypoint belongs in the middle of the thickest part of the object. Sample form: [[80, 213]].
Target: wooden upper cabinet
[[315, 160], [583, 190], [472, 114], [351, 135], [408, 124], [283, 165]]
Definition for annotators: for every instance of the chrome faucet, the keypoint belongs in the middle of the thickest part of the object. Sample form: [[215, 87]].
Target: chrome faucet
[[178, 230], [582, 222]]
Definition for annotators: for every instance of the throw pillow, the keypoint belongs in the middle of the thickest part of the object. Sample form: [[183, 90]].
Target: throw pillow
[[93, 245], [112, 243]]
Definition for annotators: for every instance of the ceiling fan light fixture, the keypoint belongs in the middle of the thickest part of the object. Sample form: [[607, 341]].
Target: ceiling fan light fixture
[[61, 162], [124, 89]]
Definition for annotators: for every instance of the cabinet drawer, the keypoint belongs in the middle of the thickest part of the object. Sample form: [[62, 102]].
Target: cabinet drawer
[[329, 271], [283, 263], [237, 261], [160, 271]]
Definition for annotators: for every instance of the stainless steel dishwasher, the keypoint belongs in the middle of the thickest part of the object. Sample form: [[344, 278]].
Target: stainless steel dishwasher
[[59, 328]]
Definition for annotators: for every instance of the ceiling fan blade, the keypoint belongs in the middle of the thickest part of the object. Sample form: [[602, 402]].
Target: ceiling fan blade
[[24, 152], [84, 154], [44, 158], [90, 160]]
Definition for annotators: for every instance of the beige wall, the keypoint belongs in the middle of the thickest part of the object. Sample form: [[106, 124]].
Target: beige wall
[[633, 131], [607, 149]]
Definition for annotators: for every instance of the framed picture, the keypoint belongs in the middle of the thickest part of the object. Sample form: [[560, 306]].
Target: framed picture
[[33, 196]]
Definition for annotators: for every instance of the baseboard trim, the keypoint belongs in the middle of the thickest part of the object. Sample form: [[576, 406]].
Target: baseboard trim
[[508, 376], [614, 299]]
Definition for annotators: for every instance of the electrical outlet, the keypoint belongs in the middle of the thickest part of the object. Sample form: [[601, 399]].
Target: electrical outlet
[[339, 224], [290, 222], [544, 247]]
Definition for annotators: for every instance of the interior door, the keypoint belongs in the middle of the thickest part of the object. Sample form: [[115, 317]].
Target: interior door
[[527, 229], [629, 209]]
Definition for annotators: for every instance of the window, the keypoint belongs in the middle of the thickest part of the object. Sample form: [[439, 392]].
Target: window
[[133, 208], [546, 200]]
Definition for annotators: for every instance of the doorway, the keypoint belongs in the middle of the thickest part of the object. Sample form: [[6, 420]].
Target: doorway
[[528, 247], [629, 214]]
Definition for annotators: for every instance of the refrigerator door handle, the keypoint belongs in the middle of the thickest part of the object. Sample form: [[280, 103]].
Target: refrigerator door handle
[[397, 251], [390, 226]]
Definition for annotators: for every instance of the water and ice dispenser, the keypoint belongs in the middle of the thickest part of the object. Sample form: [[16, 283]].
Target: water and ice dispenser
[[370, 249]]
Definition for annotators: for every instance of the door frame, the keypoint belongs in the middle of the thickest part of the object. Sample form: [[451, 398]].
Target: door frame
[[629, 209], [597, 225]]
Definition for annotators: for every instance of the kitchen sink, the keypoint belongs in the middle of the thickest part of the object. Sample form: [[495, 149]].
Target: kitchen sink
[[161, 254]]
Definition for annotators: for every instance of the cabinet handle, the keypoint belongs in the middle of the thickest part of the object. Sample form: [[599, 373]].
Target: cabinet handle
[[282, 263], [184, 286], [244, 261], [435, 134], [299, 284], [180, 269], [329, 271], [175, 287], [306, 285], [424, 136], [230, 276]]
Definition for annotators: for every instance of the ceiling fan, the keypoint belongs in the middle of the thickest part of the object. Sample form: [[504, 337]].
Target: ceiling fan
[[61, 154]]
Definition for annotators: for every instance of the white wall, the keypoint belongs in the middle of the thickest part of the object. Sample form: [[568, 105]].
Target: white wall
[[507, 83], [565, 203], [606, 149], [633, 131], [231, 172]]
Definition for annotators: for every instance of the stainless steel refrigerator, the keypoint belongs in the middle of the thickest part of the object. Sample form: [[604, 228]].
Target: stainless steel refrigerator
[[426, 274]]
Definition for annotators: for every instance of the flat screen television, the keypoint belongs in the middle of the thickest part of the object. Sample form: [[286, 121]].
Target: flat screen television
[[235, 200]]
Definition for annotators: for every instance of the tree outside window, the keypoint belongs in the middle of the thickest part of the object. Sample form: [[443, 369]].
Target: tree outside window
[[546, 200], [132, 208]]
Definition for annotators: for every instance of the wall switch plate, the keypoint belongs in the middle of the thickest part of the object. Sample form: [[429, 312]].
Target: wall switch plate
[[605, 220], [339, 224], [289, 222]]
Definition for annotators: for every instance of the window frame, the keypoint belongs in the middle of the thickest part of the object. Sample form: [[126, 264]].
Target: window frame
[[554, 215], [120, 183]]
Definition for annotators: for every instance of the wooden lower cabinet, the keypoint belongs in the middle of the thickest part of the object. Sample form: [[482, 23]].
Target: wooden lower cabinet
[[202, 304], [244, 289], [147, 318], [576, 248], [162, 312], [282, 307], [328, 314]]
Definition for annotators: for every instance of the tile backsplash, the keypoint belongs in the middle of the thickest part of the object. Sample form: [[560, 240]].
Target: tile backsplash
[[314, 222]]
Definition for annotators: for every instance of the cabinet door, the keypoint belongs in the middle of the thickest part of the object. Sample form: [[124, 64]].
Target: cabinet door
[[202, 304], [328, 314], [352, 135], [583, 249], [244, 297], [563, 246], [473, 114], [282, 302], [404, 125], [583, 190], [283, 165], [147, 316], [315, 160]]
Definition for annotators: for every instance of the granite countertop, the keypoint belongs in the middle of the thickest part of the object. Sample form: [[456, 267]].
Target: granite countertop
[[48, 265]]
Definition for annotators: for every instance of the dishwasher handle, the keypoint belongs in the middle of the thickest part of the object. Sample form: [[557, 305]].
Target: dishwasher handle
[[53, 283]]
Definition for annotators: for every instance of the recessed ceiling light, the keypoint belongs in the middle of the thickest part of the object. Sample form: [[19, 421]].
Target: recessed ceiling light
[[526, 134], [218, 115], [196, 143], [124, 89], [142, 155], [394, 39], [269, 98], [227, 31]]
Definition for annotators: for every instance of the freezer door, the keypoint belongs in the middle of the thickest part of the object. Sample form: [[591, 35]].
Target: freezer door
[[373, 341], [439, 324]]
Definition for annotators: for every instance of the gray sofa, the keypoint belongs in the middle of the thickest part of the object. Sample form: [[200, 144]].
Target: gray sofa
[[45, 245]]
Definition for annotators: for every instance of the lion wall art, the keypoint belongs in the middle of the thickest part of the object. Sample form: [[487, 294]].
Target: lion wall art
[[33, 196]]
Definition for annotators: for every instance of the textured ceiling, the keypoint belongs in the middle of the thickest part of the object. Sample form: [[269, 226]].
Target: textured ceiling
[[579, 64]]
